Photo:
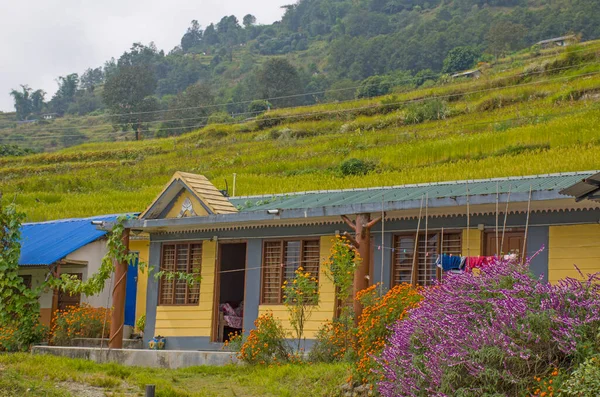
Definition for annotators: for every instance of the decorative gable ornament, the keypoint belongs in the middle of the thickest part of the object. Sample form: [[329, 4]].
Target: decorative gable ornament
[[187, 209]]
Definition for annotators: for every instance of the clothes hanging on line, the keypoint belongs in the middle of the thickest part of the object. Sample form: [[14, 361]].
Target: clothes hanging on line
[[479, 262], [449, 262]]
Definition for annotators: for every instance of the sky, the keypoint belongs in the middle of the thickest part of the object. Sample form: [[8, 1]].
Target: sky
[[43, 39]]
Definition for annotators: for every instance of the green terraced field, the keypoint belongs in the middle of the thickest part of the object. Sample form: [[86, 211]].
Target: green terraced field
[[535, 116]]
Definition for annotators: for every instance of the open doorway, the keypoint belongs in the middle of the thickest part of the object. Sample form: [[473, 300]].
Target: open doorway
[[231, 280]]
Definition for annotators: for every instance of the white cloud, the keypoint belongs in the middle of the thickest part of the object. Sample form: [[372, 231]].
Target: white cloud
[[43, 39]]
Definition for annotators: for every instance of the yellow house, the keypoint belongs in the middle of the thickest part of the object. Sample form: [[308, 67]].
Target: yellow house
[[244, 248]]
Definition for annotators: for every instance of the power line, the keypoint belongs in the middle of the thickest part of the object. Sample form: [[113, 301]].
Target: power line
[[392, 104], [306, 94], [285, 117]]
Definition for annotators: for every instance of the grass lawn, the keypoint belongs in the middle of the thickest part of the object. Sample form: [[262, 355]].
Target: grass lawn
[[23, 374]]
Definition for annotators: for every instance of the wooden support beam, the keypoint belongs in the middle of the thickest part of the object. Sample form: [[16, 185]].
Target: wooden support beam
[[353, 241], [117, 318], [349, 222]]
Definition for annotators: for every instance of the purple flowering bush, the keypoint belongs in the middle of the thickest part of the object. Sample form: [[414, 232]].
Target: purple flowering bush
[[491, 334]]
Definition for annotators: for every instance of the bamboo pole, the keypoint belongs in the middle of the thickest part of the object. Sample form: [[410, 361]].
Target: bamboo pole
[[497, 204], [413, 276], [468, 227], [438, 271], [426, 231], [526, 228], [505, 217], [382, 245]]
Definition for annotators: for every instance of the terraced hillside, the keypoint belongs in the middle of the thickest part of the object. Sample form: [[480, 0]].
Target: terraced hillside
[[538, 114]]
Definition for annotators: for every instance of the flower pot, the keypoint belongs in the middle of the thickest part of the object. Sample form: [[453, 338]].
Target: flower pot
[[157, 343]]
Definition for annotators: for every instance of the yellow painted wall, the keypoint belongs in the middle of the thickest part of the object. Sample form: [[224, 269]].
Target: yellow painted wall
[[573, 245], [143, 248], [473, 247], [192, 320], [198, 208], [326, 309]]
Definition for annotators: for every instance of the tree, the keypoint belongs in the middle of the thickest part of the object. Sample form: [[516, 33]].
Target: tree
[[505, 36], [192, 37], [128, 96], [27, 101], [210, 35], [229, 31], [188, 111], [37, 101], [65, 95], [92, 78], [460, 58], [373, 86], [279, 82], [248, 20], [22, 102]]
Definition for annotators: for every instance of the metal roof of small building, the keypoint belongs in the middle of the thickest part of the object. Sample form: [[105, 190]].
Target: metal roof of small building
[[586, 188], [439, 190], [45, 243], [561, 38]]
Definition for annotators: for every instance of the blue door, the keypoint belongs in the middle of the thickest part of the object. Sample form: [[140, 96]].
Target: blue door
[[131, 292]]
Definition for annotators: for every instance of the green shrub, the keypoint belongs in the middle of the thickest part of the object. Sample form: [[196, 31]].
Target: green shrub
[[219, 118], [373, 86], [355, 166], [258, 106], [585, 380], [434, 109], [266, 343], [13, 339], [332, 343]]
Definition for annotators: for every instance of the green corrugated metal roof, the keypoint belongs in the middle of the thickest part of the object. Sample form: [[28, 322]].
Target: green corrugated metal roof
[[316, 199]]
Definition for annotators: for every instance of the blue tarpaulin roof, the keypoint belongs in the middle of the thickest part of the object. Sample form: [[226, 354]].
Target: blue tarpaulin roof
[[44, 243]]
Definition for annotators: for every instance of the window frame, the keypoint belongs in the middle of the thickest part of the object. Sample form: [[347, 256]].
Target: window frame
[[412, 235], [282, 242], [189, 264], [27, 280]]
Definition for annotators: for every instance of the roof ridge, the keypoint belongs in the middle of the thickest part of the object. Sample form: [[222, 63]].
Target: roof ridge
[[442, 183], [66, 220]]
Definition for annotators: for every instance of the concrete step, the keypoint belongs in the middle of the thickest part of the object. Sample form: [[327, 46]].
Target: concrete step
[[171, 359], [98, 342]]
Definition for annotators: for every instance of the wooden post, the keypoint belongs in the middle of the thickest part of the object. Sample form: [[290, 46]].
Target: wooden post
[[362, 242], [118, 297], [54, 309]]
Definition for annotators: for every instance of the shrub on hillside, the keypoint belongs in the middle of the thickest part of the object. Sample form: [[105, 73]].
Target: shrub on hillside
[[258, 107], [434, 109], [356, 167], [493, 333], [374, 86], [460, 58], [80, 322]]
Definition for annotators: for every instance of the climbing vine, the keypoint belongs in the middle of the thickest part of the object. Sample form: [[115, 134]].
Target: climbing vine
[[19, 306], [118, 252]]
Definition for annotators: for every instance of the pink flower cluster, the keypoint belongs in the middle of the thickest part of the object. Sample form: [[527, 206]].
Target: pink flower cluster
[[492, 331]]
